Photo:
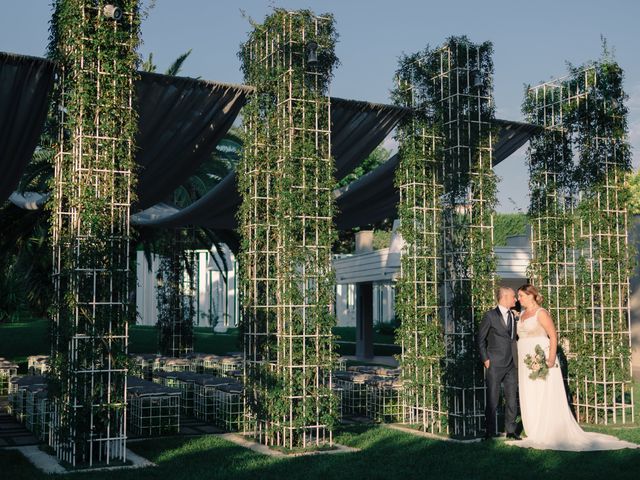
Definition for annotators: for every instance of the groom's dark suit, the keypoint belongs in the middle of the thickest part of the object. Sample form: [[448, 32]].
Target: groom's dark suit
[[497, 343]]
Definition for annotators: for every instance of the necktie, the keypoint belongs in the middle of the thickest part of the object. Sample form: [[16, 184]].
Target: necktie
[[510, 323]]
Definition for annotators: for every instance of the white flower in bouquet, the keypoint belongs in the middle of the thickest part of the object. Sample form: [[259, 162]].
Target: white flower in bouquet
[[535, 366]]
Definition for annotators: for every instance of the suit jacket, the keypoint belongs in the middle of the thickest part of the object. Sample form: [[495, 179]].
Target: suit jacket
[[494, 343]]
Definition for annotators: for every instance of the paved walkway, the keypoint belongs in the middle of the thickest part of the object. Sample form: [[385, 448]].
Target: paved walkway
[[13, 433]]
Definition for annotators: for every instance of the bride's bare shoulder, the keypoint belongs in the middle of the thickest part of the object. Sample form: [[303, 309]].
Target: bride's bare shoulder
[[543, 315]]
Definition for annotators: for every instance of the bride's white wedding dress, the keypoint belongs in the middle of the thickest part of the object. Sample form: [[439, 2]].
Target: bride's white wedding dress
[[546, 416]]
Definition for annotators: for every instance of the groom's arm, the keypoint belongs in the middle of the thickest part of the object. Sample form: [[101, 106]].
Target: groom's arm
[[483, 333]]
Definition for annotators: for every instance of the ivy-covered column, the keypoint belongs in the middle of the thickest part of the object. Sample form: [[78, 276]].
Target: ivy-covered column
[[418, 290], [448, 195], [581, 257], [94, 44], [553, 193], [602, 372], [287, 230], [176, 293], [465, 110]]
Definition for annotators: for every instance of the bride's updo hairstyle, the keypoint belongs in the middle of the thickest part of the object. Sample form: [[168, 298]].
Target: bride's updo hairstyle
[[531, 290]]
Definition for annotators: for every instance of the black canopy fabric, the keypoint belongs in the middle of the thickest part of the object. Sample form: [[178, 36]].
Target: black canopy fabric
[[25, 83], [369, 199], [511, 137], [181, 120], [357, 128], [374, 197]]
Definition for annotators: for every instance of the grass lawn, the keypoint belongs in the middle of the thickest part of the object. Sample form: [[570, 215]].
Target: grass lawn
[[385, 454]]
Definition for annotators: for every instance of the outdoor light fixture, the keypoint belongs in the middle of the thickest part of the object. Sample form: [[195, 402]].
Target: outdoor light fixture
[[476, 78], [112, 11], [312, 54]]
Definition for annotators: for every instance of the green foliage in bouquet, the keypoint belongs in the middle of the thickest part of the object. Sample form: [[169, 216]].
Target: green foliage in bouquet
[[537, 364]]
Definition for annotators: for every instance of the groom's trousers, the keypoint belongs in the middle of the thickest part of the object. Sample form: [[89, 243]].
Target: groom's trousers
[[508, 377]]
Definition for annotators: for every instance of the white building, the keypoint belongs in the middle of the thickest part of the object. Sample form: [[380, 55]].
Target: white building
[[366, 269], [215, 303]]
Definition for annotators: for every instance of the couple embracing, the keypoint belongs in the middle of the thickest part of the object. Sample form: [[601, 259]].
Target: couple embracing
[[519, 352]]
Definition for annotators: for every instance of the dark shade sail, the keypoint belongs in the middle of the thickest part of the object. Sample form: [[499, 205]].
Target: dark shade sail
[[357, 128], [181, 120], [374, 197], [25, 83]]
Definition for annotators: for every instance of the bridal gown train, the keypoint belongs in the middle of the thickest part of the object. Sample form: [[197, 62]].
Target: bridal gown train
[[546, 416]]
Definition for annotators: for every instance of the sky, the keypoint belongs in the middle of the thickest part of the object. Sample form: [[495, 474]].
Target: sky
[[532, 42]]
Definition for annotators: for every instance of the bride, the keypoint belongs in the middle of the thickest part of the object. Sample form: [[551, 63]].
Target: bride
[[546, 416]]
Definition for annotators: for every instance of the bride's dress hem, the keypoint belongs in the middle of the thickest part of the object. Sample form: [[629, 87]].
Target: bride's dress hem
[[546, 417]]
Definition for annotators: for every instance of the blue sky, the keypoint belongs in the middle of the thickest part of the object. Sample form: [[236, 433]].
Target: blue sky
[[532, 41]]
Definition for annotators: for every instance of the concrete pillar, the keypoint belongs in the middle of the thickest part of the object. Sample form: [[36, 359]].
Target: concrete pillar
[[364, 321]]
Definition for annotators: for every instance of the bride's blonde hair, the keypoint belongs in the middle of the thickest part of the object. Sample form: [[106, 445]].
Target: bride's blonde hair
[[531, 290]]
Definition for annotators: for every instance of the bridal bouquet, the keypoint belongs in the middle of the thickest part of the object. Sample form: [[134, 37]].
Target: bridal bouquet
[[537, 364]]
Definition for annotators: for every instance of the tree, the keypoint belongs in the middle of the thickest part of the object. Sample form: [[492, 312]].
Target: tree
[[634, 190], [373, 161]]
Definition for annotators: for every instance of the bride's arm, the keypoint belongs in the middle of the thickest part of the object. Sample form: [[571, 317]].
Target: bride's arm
[[549, 327]]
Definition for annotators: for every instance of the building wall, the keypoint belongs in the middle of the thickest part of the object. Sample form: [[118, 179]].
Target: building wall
[[216, 300]]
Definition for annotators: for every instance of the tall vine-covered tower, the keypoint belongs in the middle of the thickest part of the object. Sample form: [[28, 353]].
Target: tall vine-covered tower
[[581, 256], [286, 223], [447, 200], [94, 44], [419, 287]]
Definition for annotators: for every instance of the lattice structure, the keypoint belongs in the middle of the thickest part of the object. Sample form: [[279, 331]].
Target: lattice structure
[[152, 410], [8, 370], [385, 400], [448, 196], [176, 365], [18, 394], [206, 398], [419, 180], [90, 226], [286, 215], [35, 409], [465, 112], [43, 428], [353, 390], [580, 254], [144, 365], [176, 294], [38, 364], [553, 200], [230, 402], [184, 382]]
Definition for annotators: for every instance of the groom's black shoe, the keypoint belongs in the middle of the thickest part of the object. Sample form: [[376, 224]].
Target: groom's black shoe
[[513, 436], [490, 436]]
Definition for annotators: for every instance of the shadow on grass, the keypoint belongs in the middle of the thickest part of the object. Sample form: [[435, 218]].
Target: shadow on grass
[[385, 454]]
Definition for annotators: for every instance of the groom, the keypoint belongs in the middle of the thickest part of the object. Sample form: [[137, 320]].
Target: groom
[[498, 351]]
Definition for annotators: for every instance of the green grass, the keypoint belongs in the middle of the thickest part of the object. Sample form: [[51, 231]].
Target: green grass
[[144, 339], [19, 340], [385, 454]]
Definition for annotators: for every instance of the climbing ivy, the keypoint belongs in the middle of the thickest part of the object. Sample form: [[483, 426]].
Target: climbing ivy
[[286, 227], [447, 200], [581, 258], [92, 192]]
